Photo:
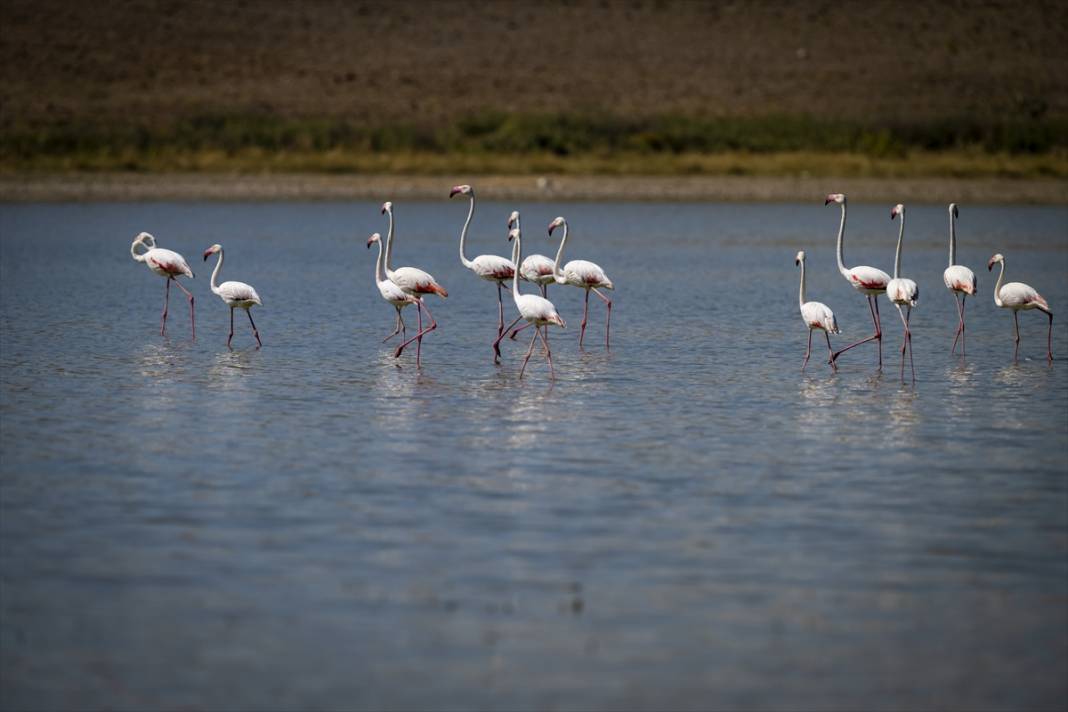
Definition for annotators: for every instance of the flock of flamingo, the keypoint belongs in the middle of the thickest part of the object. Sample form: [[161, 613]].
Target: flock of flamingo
[[903, 292], [406, 286]]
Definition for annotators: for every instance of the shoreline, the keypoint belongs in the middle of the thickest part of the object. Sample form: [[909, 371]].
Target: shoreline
[[138, 187]]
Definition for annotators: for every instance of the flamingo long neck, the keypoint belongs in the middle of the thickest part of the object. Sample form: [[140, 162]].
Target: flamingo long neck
[[389, 244], [802, 295], [997, 287], [215, 272], [558, 274], [517, 251], [463, 234], [380, 275], [952, 239], [897, 253], [841, 231], [138, 256]]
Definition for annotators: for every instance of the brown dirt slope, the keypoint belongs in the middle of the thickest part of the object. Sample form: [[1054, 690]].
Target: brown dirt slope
[[147, 61]]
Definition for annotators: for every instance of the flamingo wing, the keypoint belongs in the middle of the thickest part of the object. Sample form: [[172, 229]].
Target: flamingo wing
[[959, 278], [167, 262], [586, 274], [238, 292], [818, 315], [1017, 295], [868, 278], [416, 281], [492, 267], [537, 269]]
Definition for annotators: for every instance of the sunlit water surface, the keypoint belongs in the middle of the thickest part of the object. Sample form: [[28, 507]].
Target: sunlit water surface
[[687, 521]]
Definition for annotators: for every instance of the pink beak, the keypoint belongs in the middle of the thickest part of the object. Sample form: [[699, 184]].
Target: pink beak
[[454, 191]]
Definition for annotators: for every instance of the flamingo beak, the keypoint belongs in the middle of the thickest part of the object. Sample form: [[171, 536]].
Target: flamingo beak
[[552, 226], [207, 253], [827, 201], [454, 191], [797, 262], [369, 243], [990, 265]]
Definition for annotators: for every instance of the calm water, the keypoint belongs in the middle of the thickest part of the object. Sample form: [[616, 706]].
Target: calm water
[[686, 522]]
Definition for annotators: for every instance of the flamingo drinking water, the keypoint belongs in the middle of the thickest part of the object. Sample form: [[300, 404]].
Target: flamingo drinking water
[[816, 315], [389, 291], [903, 292], [584, 275], [958, 278], [1019, 296], [868, 281], [237, 295], [165, 263]]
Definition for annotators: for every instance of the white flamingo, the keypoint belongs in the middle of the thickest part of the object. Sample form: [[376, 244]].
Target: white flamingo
[[816, 315], [237, 295], [958, 278], [903, 292], [584, 275], [537, 269], [389, 291], [415, 283], [169, 264], [1019, 296], [488, 267], [538, 311], [868, 281]]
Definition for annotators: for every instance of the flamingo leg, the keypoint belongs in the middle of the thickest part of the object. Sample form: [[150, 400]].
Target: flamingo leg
[[908, 332], [876, 335], [255, 331], [906, 342], [500, 311], [585, 313], [829, 351], [963, 339], [529, 352], [608, 318], [231, 336], [878, 328], [397, 327], [419, 334], [166, 302], [548, 354], [1049, 338], [960, 323], [497, 343], [808, 351], [1016, 324], [516, 331], [192, 314]]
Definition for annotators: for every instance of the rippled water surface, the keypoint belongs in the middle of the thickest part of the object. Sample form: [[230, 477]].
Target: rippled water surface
[[687, 521]]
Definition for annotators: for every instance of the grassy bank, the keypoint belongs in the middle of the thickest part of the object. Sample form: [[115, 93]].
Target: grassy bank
[[504, 144]]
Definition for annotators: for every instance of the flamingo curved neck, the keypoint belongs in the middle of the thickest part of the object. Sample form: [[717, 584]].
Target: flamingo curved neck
[[463, 234], [558, 274], [138, 256], [802, 295], [215, 272], [517, 252], [841, 231], [389, 244], [952, 239], [897, 253], [997, 287]]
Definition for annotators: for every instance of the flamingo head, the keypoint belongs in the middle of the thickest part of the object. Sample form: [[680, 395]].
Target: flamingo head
[[800, 257], [373, 239], [513, 218], [898, 209], [387, 207], [145, 239], [953, 209], [835, 198], [995, 259], [555, 224], [461, 190], [212, 250], [513, 234]]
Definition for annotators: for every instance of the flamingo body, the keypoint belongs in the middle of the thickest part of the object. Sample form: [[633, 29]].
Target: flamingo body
[[169, 264], [818, 315], [537, 269], [868, 280], [236, 295], [580, 273], [415, 282], [903, 292], [960, 279], [1018, 297], [492, 268]]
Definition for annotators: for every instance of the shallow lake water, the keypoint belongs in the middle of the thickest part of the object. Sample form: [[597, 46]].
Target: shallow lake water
[[685, 522]]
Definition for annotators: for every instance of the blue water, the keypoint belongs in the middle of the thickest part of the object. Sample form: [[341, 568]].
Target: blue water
[[686, 522]]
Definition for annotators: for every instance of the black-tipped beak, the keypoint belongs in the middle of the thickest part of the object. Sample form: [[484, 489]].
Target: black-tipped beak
[[453, 192], [207, 254], [827, 201], [551, 228], [797, 262]]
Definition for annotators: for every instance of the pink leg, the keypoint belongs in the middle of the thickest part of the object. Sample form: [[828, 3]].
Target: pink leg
[[548, 354], [516, 331], [608, 318], [906, 342], [529, 352], [1049, 338], [497, 343], [398, 327], [585, 313], [419, 334], [255, 332], [960, 322], [878, 328], [231, 336], [829, 352], [808, 350], [500, 311], [166, 302], [192, 314], [876, 335]]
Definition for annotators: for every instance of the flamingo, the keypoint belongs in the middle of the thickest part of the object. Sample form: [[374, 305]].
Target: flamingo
[[816, 315], [585, 275], [237, 295], [389, 291], [903, 292], [538, 311], [868, 281], [488, 267], [169, 264], [958, 278], [1018, 296], [537, 269], [415, 283]]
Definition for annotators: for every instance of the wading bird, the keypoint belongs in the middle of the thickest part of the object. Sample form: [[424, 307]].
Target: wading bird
[[868, 281], [959, 280], [584, 275], [389, 291], [237, 295], [488, 267], [538, 311], [415, 283], [902, 292], [1019, 296], [537, 269], [816, 315], [169, 264]]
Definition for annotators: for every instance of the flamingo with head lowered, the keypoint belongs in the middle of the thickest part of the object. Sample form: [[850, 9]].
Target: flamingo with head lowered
[[415, 283], [816, 315], [584, 275], [389, 291], [236, 295], [868, 281], [902, 292], [488, 267], [169, 264], [1020, 297], [958, 279]]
